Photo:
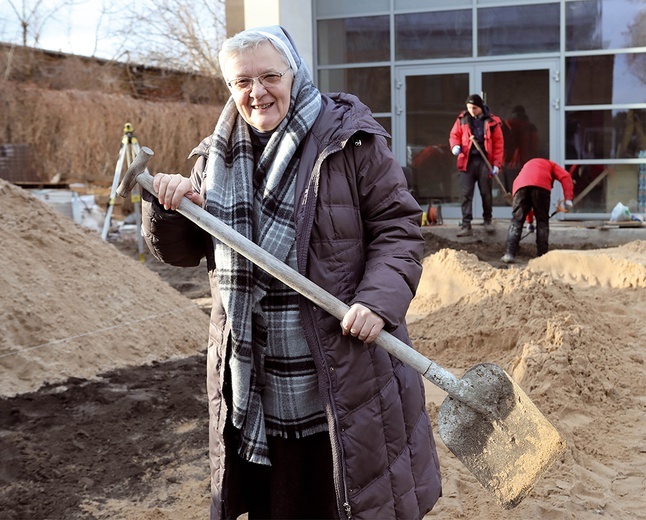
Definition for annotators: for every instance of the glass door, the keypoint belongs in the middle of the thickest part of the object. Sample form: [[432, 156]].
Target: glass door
[[523, 101], [428, 99]]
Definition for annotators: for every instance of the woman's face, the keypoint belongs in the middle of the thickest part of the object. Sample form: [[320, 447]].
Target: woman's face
[[262, 106]]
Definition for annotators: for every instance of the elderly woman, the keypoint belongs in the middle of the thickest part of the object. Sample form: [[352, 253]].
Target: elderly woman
[[307, 418]]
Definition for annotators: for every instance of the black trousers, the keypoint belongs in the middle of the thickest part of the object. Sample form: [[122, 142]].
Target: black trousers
[[298, 485], [526, 199], [477, 173]]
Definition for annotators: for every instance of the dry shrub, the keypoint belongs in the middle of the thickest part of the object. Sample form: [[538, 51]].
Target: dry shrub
[[74, 72], [78, 134], [60, 71]]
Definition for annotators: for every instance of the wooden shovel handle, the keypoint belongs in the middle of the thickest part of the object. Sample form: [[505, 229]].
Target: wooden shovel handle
[[405, 353], [484, 157]]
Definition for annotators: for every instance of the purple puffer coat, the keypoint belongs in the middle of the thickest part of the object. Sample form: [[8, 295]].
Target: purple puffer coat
[[358, 237]]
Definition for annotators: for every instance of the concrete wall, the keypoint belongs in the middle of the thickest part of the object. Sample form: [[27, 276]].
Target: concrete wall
[[234, 10], [293, 15]]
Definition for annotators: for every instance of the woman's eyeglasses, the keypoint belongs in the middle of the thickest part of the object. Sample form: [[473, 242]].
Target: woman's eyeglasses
[[267, 80]]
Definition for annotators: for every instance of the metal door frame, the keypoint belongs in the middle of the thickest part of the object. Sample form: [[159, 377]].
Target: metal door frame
[[475, 70]]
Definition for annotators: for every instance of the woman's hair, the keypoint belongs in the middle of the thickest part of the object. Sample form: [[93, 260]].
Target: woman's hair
[[250, 40]]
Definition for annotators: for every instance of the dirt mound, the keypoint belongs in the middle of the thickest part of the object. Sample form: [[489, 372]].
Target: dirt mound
[[622, 267], [74, 306], [576, 351], [125, 435]]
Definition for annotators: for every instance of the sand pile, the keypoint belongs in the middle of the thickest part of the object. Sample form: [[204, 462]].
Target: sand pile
[[621, 267], [74, 306], [576, 350], [569, 328]]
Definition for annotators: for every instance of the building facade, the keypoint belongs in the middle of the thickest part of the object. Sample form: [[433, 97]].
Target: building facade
[[568, 77]]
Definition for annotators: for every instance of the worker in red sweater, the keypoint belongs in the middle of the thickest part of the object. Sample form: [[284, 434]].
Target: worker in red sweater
[[485, 128], [531, 190]]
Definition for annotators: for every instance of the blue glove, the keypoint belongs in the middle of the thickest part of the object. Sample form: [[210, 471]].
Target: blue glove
[[495, 171], [456, 150], [531, 228], [568, 205]]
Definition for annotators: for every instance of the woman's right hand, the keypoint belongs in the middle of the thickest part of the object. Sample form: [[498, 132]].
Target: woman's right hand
[[171, 187]]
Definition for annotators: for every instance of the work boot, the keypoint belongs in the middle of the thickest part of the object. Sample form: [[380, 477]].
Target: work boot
[[488, 226], [514, 234], [465, 232], [542, 239], [507, 258]]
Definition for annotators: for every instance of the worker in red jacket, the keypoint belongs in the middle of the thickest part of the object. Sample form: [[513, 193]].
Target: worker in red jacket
[[477, 121], [531, 190]]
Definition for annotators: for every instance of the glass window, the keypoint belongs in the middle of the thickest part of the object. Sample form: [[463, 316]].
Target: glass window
[[401, 5], [345, 8], [430, 164], [353, 40], [605, 24], [370, 85], [599, 187], [606, 79], [605, 134], [520, 98], [443, 34], [518, 29], [386, 122]]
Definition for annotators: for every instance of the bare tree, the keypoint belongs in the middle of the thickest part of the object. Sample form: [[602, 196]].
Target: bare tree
[[178, 34], [33, 15]]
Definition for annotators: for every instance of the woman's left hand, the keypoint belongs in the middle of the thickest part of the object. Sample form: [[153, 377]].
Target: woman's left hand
[[362, 323], [171, 188]]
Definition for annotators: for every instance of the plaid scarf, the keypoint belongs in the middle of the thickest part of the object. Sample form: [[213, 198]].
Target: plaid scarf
[[258, 202]]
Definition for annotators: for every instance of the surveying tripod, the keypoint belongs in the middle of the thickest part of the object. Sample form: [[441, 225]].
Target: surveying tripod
[[129, 150]]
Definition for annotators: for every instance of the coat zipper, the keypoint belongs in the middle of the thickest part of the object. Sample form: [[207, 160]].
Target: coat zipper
[[342, 490]]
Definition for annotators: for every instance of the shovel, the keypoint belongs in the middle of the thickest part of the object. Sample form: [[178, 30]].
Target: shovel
[[505, 194], [487, 421]]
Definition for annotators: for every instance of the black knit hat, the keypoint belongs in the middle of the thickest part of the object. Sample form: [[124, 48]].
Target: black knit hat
[[476, 100]]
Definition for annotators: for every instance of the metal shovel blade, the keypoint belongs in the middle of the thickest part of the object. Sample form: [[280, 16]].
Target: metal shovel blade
[[506, 449]]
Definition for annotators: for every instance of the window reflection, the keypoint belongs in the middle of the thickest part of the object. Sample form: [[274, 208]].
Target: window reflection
[[441, 34], [605, 24], [370, 84], [605, 134], [353, 40], [611, 78], [599, 187], [518, 29], [430, 164]]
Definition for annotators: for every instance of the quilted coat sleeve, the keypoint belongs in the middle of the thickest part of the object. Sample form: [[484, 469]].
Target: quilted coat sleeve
[[394, 243], [171, 237]]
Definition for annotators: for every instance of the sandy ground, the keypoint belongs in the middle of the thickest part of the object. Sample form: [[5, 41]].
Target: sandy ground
[[102, 394]]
